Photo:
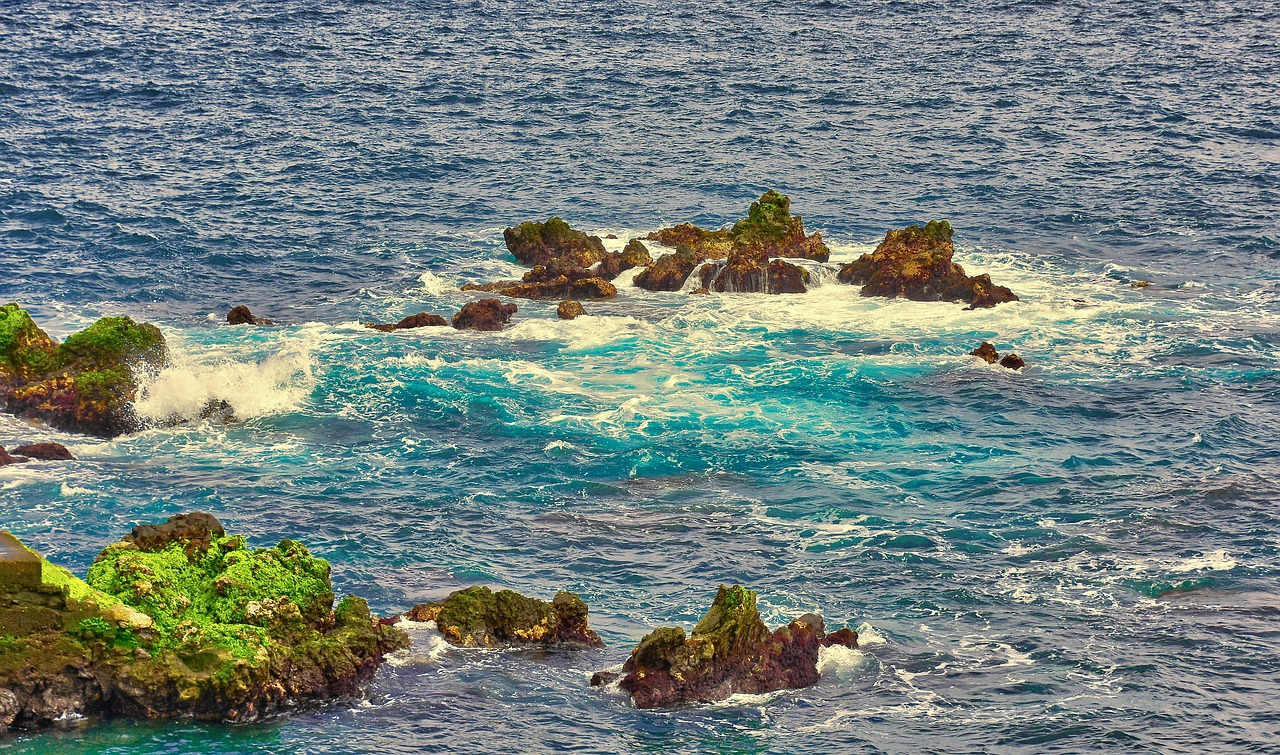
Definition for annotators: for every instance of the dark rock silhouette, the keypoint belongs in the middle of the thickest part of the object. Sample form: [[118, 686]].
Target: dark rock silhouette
[[44, 451], [420, 320], [485, 314], [479, 617], [240, 315]]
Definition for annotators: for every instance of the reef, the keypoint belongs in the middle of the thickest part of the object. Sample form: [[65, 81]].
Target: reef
[[729, 651], [420, 320], [477, 617], [485, 314], [769, 231], [240, 315], [915, 263], [179, 619], [540, 243], [570, 309], [988, 354], [87, 383]]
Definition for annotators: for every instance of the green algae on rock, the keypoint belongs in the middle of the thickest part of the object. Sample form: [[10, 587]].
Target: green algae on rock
[[477, 617], [915, 263], [535, 243], [729, 651], [185, 621], [87, 383]]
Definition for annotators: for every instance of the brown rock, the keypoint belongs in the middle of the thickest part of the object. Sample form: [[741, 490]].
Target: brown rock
[[634, 254], [479, 617], [45, 451], [751, 271], [669, 272], [486, 314], [6, 459], [569, 309], [540, 243], [420, 320], [240, 315], [1013, 362], [557, 279], [987, 352], [196, 530]]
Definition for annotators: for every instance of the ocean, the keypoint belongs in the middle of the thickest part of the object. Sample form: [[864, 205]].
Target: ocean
[[1080, 556]]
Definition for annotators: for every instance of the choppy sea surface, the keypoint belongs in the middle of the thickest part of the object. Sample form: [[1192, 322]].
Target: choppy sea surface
[[1080, 556]]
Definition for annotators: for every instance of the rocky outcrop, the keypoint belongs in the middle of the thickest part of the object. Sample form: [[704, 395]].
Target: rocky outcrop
[[729, 651], [670, 271], [486, 314], [634, 254], [240, 315], [191, 623], [477, 617], [569, 309], [915, 263], [540, 243], [750, 271], [86, 384], [557, 279], [420, 320], [988, 354], [6, 459], [43, 451]]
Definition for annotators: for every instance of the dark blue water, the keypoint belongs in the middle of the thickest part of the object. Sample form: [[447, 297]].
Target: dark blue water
[[1082, 556]]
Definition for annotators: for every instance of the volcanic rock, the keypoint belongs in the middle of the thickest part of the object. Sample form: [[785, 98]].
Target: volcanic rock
[[45, 451], [569, 309], [6, 459], [555, 280], [670, 271], [634, 254], [987, 352], [485, 314], [750, 271], [769, 229], [730, 651], [240, 315], [477, 617], [540, 243], [420, 320], [915, 263], [1012, 362]]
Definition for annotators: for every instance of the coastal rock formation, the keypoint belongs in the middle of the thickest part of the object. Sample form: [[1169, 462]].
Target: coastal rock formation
[[6, 459], [556, 279], [85, 384], [669, 272], [634, 254], [751, 271], [569, 309], [477, 617], [540, 243], [44, 451], [730, 651], [915, 263], [485, 314], [420, 320], [179, 620], [989, 355], [240, 315]]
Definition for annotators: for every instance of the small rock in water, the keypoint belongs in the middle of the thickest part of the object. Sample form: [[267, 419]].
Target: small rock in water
[[477, 617], [570, 309], [486, 314], [1140, 284], [6, 459], [987, 352], [44, 451], [240, 315], [1013, 362], [420, 320]]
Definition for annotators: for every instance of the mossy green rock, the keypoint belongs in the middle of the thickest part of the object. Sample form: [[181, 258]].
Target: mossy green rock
[[477, 617], [540, 243], [200, 626], [769, 230], [86, 384]]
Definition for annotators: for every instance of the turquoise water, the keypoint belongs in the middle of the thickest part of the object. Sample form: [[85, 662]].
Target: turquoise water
[[1079, 556]]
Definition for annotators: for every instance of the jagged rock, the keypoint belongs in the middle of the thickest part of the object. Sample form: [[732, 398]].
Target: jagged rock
[[420, 320], [1012, 362], [750, 271], [45, 451], [480, 618], [634, 254], [86, 384], [540, 243], [729, 651], [769, 229], [670, 271], [216, 632], [987, 352], [701, 242], [555, 280], [196, 531], [485, 314], [844, 637], [915, 263], [240, 315], [569, 309]]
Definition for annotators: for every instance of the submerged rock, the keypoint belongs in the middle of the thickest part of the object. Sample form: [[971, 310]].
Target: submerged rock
[[477, 617], [420, 320], [729, 651], [750, 271], [85, 384], [569, 309], [44, 451], [240, 315], [191, 623], [485, 314], [634, 254], [555, 280], [540, 243], [989, 355], [915, 263]]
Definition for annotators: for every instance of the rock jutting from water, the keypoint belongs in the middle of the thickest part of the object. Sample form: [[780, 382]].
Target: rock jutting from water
[[485, 314], [179, 619], [730, 651], [86, 384], [420, 320], [556, 279], [43, 451], [535, 243], [988, 354], [477, 617], [915, 263], [634, 254], [570, 309], [240, 315]]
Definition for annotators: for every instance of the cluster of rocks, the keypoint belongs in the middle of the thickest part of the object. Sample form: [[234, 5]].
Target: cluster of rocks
[[988, 354], [182, 619], [41, 451], [485, 314]]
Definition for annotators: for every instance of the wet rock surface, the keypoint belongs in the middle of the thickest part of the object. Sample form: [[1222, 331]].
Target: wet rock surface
[[554, 280], [570, 309], [43, 451], [420, 320], [634, 254], [240, 315], [480, 618], [485, 314], [988, 354], [749, 271], [533, 243]]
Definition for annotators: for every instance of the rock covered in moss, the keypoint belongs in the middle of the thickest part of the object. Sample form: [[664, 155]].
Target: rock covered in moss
[[420, 320], [44, 451], [217, 631], [539, 243], [634, 254], [485, 314], [240, 315], [570, 309], [477, 617], [915, 263], [701, 242], [85, 384], [729, 651], [750, 271], [670, 271], [554, 280], [769, 229]]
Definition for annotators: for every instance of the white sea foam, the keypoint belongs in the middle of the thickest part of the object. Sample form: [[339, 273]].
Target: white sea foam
[[838, 660], [69, 491], [1218, 560], [427, 645], [434, 285]]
